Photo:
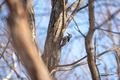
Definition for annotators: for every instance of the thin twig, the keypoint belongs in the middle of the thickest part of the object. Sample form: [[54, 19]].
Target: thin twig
[[11, 67], [82, 7], [5, 47], [66, 69], [2, 4], [105, 74], [14, 65], [107, 30], [84, 58], [73, 14], [95, 44], [78, 28], [107, 51], [109, 18], [69, 64]]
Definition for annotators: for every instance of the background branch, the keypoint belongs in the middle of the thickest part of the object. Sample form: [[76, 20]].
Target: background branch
[[20, 33]]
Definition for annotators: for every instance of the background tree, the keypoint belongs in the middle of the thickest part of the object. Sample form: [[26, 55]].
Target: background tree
[[94, 26]]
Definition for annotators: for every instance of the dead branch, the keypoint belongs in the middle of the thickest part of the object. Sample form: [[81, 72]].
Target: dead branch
[[5, 47], [73, 64], [78, 28], [108, 31], [69, 64], [73, 14], [66, 69]]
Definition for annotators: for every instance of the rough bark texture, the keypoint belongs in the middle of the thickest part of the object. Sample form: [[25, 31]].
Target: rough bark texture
[[51, 55], [88, 42], [20, 33]]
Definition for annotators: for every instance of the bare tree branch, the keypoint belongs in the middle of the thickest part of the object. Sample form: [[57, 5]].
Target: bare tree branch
[[5, 47], [69, 64], [2, 4], [12, 68], [107, 51], [78, 28], [73, 14], [109, 18], [71, 7], [108, 31], [66, 69], [20, 33]]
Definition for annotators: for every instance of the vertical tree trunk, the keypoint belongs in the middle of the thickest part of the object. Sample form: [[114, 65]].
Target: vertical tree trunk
[[52, 54], [88, 42]]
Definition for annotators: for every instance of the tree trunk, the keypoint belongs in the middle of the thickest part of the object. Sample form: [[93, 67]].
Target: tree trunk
[[88, 42], [52, 53]]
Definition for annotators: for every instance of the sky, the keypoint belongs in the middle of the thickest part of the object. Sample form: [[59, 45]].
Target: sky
[[75, 49]]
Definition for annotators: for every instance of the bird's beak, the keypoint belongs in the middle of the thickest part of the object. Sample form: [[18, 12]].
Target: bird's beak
[[67, 33]]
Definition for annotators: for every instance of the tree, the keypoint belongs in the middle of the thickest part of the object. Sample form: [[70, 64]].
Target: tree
[[23, 38]]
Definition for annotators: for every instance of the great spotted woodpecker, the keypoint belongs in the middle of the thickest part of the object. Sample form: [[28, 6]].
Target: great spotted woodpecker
[[65, 40]]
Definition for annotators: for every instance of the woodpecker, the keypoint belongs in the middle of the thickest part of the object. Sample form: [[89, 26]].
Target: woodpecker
[[65, 40]]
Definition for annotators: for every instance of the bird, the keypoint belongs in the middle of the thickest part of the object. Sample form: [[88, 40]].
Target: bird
[[65, 40]]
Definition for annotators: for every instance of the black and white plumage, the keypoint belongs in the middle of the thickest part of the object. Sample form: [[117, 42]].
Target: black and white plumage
[[65, 40]]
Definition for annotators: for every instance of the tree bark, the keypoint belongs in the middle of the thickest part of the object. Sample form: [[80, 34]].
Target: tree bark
[[52, 53], [88, 42]]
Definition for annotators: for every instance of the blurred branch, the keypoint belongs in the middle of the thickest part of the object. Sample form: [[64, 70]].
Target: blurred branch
[[86, 57], [109, 18], [2, 4], [85, 72], [74, 66], [69, 64], [22, 64], [78, 28], [12, 67], [71, 7], [105, 74], [11, 72], [5, 47], [107, 51], [20, 33], [73, 14], [66, 69], [108, 30]]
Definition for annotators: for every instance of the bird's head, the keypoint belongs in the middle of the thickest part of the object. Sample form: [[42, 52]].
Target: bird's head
[[69, 35]]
